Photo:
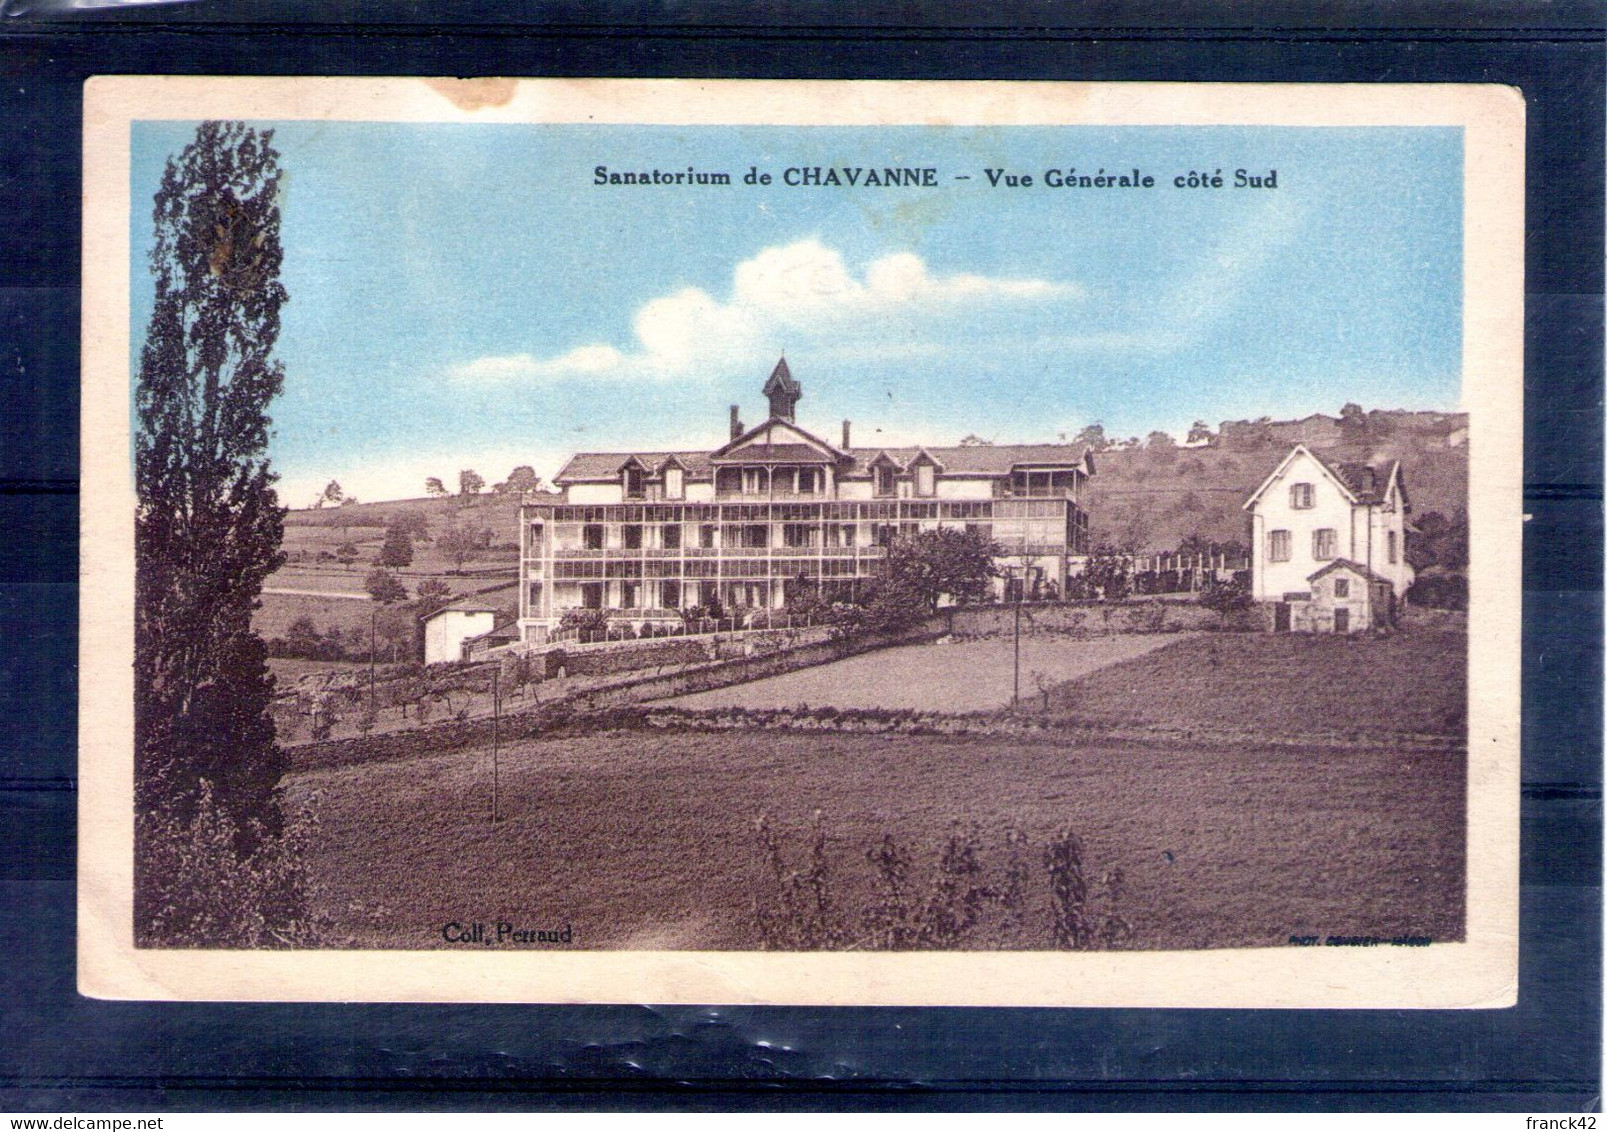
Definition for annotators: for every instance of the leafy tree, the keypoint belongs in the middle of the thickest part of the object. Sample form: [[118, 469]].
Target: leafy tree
[[459, 543], [434, 487], [384, 587], [332, 495], [347, 553], [431, 594], [1108, 576], [303, 635], [470, 482], [398, 548], [1223, 598], [926, 567], [1200, 433], [1159, 439], [1092, 436], [974, 441], [208, 524], [520, 480], [414, 523], [397, 630], [1438, 541]]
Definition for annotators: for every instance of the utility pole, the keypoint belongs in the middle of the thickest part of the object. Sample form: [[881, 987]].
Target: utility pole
[[1015, 696], [496, 719], [373, 622]]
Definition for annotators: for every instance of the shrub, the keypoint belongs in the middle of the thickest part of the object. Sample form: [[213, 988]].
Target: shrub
[[959, 900], [585, 620], [1439, 591], [193, 886], [1225, 598]]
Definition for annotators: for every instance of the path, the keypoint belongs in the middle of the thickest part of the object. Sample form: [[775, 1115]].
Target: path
[[316, 593], [965, 676]]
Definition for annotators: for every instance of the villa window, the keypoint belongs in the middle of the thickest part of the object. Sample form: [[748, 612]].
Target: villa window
[[1394, 551], [1341, 587], [705, 536], [669, 594], [674, 483], [635, 484], [808, 481], [886, 484], [925, 479], [628, 592], [633, 536], [1324, 543], [672, 536], [1278, 544], [591, 536], [755, 536], [1300, 496], [754, 481]]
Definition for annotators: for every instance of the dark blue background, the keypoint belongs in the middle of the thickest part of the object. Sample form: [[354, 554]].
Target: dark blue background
[[60, 1052]]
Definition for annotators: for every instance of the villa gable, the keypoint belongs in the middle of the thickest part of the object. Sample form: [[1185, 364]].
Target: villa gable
[[776, 442]]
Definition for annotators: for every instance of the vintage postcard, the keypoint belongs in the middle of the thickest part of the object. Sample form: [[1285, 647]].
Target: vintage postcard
[[801, 542]]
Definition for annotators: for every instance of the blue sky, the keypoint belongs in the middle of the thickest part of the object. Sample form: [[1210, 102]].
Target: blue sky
[[465, 296]]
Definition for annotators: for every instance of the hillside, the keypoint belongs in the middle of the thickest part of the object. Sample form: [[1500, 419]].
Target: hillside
[[1153, 498]]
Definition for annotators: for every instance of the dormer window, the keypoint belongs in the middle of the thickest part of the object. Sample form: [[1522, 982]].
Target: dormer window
[[886, 480], [635, 481], [925, 479], [1300, 496], [674, 483]]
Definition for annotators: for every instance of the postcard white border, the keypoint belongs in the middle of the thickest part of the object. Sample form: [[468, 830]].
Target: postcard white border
[[1478, 973]]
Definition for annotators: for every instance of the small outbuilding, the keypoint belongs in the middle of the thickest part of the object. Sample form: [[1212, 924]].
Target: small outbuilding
[[1343, 597], [446, 630]]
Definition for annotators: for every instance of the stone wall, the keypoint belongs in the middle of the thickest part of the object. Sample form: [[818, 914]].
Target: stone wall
[[435, 738], [1090, 619]]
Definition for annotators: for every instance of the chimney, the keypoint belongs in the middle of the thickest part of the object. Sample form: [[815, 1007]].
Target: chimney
[[845, 435], [736, 423]]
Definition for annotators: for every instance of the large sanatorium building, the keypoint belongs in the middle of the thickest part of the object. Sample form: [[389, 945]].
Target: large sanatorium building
[[646, 534]]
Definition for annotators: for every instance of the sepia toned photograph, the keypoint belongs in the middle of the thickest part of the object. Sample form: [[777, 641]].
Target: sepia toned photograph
[[883, 542]]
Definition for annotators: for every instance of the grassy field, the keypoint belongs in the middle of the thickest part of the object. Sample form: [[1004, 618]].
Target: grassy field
[[646, 840], [965, 676], [1285, 684]]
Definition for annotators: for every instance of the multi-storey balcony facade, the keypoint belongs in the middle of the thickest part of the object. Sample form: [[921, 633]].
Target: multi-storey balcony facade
[[646, 535]]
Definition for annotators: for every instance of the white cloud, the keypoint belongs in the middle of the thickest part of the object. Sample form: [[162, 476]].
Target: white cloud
[[780, 296]]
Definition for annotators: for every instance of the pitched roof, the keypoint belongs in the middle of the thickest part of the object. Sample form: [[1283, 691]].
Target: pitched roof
[[781, 378], [463, 605], [777, 454], [1367, 482], [1347, 564], [605, 465], [956, 460], [977, 459]]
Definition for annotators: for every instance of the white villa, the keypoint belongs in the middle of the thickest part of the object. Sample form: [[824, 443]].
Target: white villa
[[644, 535], [446, 630], [1328, 544]]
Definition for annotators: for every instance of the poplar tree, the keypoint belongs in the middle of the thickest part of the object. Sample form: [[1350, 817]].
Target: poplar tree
[[208, 524]]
